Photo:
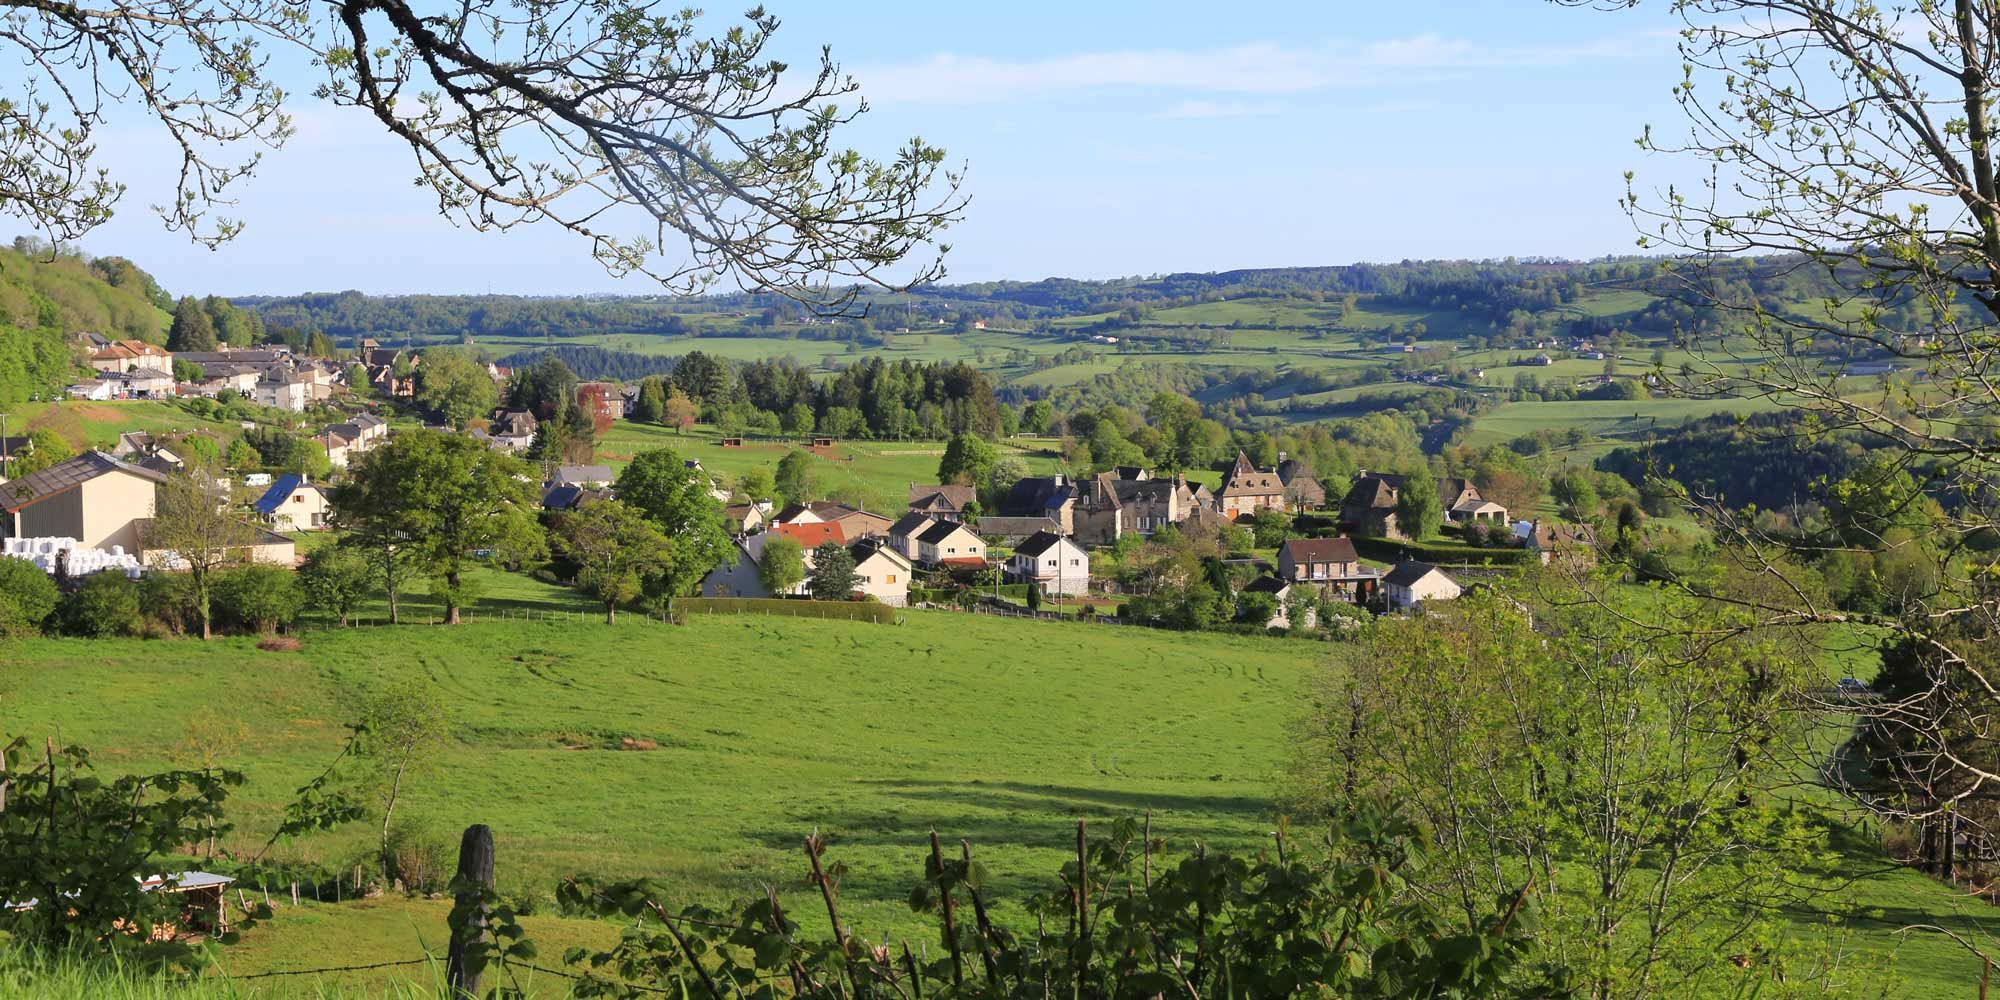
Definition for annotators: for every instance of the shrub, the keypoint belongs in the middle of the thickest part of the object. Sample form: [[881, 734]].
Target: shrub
[[165, 600], [27, 598], [417, 857], [860, 611], [106, 605], [261, 599]]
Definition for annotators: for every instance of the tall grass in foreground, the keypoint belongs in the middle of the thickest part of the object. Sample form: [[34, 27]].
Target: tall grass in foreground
[[30, 976]]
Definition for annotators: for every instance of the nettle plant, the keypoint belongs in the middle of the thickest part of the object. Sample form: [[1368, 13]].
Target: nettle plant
[[1119, 920]]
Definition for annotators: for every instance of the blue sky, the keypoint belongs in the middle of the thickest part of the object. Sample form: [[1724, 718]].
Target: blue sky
[[1101, 139]]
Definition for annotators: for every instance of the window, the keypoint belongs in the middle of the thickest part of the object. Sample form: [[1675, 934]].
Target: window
[[891, 578], [1052, 564], [1074, 562]]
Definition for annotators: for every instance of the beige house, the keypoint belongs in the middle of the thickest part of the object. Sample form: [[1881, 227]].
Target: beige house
[[948, 543], [93, 498], [1247, 490], [132, 355], [1411, 582], [881, 572]]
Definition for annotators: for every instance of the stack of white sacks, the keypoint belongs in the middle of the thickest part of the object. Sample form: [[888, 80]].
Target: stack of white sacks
[[47, 553]]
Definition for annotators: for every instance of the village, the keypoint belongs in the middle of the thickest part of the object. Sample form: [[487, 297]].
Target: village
[[92, 512]]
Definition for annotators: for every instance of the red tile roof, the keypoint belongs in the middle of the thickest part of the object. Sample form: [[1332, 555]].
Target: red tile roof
[[813, 535]]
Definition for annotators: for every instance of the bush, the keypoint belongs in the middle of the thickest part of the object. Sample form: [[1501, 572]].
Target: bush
[[418, 858], [165, 599], [259, 599], [106, 605], [27, 598]]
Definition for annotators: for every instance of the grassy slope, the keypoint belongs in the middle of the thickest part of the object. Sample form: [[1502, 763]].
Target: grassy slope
[[1601, 417], [767, 728], [97, 425]]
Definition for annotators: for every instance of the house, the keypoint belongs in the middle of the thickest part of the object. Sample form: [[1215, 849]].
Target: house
[[854, 522], [512, 430], [293, 503], [1247, 490], [371, 429], [120, 356], [743, 518], [811, 534], [1541, 359], [95, 390], [1302, 489], [1411, 582], [339, 447], [1476, 511], [1009, 530], [264, 546], [1129, 500], [948, 543], [1327, 563], [903, 534], [98, 500], [1556, 542], [284, 391], [568, 496], [739, 578], [133, 444], [587, 476], [880, 571], [946, 502], [1281, 594], [123, 357], [1370, 505], [601, 400], [1057, 564], [1053, 497]]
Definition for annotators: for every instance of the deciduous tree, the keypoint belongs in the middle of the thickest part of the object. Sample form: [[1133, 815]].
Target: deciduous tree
[[616, 550], [675, 498], [195, 530]]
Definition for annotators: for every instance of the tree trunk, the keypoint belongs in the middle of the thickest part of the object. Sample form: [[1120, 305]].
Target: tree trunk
[[201, 605], [388, 812], [451, 602], [610, 613], [468, 917]]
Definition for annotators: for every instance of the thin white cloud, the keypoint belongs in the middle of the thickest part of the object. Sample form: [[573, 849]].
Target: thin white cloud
[[1196, 109], [1266, 69]]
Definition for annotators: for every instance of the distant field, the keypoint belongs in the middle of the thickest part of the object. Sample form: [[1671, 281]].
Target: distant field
[[1604, 418], [877, 473]]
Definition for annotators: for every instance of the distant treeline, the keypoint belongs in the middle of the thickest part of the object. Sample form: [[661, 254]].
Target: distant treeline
[[1766, 459], [597, 362]]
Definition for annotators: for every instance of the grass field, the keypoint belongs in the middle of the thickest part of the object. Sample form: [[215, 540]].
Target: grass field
[[766, 729], [97, 425], [875, 473], [1604, 418]]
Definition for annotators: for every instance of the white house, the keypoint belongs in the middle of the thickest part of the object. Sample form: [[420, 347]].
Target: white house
[[1057, 564], [294, 504], [1412, 581], [738, 578]]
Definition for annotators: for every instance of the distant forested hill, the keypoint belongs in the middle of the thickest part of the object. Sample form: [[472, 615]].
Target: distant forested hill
[[44, 302]]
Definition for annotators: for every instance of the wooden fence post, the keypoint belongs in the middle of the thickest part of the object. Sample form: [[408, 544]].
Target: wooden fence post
[[468, 914]]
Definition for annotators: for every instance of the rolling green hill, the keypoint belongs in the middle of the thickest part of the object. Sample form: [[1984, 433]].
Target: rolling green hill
[[44, 300]]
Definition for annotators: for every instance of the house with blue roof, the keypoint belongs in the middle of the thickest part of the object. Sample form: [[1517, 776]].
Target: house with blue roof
[[294, 503]]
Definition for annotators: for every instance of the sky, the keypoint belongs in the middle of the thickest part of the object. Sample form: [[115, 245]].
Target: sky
[[1099, 140]]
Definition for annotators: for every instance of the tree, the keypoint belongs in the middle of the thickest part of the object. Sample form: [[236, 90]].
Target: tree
[[189, 372], [679, 411], [1034, 597], [968, 460], [1875, 177], [1577, 497], [543, 388], [501, 138], [651, 406], [1417, 506], [756, 484], [1271, 526], [798, 419], [45, 448], [27, 598], [794, 479], [676, 499], [259, 597], [402, 729], [241, 455], [1620, 770], [454, 386], [336, 578], [616, 549], [192, 330], [783, 566], [832, 576], [438, 498], [195, 530]]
